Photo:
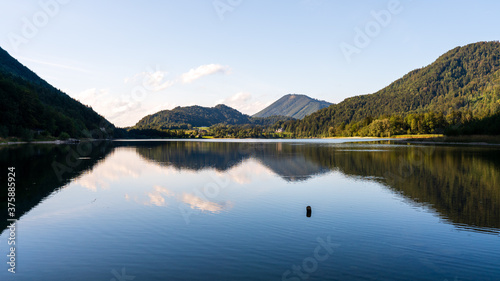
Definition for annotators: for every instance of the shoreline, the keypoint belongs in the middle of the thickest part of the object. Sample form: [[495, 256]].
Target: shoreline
[[442, 140], [58, 142], [451, 143], [489, 140]]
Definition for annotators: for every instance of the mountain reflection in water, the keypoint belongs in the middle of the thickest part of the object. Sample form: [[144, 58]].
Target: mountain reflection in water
[[461, 184]]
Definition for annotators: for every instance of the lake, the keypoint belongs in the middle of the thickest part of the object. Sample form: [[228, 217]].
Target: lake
[[238, 210]]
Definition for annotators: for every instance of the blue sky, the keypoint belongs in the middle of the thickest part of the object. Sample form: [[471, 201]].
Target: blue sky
[[128, 59]]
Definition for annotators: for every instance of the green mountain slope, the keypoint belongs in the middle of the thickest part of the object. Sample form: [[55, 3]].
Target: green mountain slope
[[28, 104], [9, 65], [195, 116], [198, 116], [293, 105], [461, 85]]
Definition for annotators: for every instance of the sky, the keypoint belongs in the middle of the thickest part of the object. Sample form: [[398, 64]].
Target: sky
[[128, 59]]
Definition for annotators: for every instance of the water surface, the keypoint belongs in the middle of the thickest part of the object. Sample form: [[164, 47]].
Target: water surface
[[236, 210]]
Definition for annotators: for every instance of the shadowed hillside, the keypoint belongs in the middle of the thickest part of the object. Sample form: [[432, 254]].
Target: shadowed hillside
[[29, 106]]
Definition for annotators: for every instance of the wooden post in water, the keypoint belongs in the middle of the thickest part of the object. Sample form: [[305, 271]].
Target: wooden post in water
[[308, 210]]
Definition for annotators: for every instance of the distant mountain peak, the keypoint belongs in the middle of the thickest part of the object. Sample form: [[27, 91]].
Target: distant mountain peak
[[223, 106], [293, 105]]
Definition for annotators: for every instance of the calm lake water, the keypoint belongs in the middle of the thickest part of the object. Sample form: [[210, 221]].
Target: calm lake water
[[236, 210]]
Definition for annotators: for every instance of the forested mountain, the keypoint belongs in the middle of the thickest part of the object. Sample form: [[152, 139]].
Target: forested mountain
[[461, 87], [29, 106], [293, 105], [198, 116], [195, 116], [9, 65]]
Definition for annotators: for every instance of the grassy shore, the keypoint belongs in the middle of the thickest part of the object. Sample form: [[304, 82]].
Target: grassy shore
[[425, 136], [472, 139]]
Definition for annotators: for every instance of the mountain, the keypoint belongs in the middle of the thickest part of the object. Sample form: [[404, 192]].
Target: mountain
[[293, 105], [29, 104], [460, 86], [196, 116], [9, 65]]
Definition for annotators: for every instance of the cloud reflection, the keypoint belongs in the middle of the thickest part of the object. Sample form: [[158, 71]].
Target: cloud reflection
[[121, 164], [156, 196], [245, 173], [196, 202], [115, 167], [124, 167]]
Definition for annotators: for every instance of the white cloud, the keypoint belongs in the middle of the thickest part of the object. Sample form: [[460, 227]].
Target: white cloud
[[154, 80], [244, 102], [99, 99], [103, 102], [123, 110], [91, 94], [203, 70], [151, 80], [128, 108]]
